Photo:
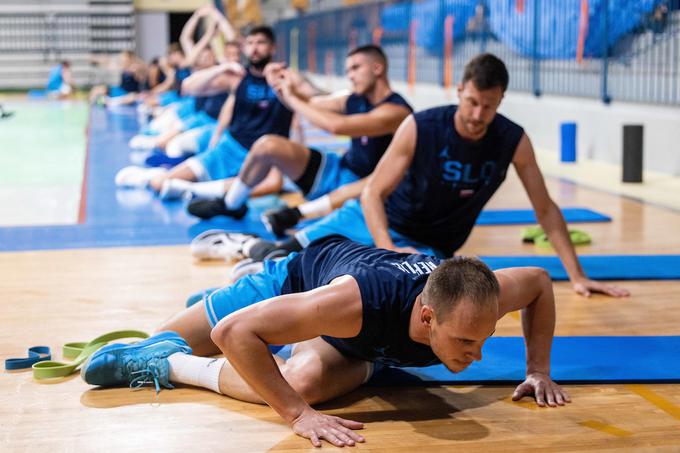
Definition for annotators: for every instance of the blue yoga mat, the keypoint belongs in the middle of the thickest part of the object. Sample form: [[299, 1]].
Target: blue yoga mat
[[527, 216], [575, 360], [599, 267]]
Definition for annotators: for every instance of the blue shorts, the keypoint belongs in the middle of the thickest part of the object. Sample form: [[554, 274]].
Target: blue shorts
[[198, 119], [331, 175], [167, 98], [116, 91], [224, 160], [185, 107], [203, 139], [247, 290], [349, 221]]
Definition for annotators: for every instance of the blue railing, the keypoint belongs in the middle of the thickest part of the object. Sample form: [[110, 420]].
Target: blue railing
[[626, 50]]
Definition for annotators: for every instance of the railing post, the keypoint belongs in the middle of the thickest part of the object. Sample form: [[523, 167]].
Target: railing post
[[605, 53], [536, 82]]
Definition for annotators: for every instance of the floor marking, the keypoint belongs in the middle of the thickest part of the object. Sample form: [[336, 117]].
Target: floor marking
[[605, 428], [662, 403]]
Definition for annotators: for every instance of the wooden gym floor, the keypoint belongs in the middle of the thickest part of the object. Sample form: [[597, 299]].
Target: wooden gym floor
[[53, 297]]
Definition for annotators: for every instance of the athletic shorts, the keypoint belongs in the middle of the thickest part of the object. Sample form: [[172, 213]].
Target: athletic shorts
[[349, 221], [248, 290], [221, 162], [198, 119], [330, 175]]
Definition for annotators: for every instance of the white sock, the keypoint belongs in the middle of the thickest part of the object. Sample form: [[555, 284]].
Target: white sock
[[197, 371], [316, 208], [237, 195], [208, 189]]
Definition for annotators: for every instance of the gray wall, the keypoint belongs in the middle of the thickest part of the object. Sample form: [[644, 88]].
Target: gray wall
[[153, 29]]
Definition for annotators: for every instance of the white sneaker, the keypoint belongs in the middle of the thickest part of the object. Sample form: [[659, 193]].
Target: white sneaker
[[143, 142], [137, 177], [244, 267], [218, 244]]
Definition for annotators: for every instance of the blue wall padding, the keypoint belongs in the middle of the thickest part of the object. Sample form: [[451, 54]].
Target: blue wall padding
[[526, 216], [559, 25], [599, 267]]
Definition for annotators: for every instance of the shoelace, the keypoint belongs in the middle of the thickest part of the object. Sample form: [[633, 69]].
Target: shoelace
[[152, 372]]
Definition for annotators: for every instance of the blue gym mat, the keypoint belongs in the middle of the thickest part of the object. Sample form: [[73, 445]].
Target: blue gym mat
[[599, 267], [527, 216], [575, 360]]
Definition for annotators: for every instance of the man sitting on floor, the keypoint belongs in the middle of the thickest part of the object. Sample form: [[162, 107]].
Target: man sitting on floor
[[349, 309]]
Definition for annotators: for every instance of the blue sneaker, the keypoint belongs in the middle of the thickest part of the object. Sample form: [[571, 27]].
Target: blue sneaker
[[134, 364]]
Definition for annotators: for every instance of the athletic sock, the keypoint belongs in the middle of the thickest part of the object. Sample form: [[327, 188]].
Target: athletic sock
[[208, 189], [237, 195], [316, 208], [197, 371]]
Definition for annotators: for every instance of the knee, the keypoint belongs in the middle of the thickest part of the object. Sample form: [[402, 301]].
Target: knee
[[267, 147], [305, 380]]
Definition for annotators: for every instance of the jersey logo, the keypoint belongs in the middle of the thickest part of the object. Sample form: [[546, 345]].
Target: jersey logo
[[417, 268], [259, 93], [467, 175]]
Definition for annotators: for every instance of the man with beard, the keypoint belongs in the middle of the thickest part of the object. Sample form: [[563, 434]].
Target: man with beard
[[251, 112], [370, 114]]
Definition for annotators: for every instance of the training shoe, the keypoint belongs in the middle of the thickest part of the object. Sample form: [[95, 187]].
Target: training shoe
[[160, 159], [199, 296], [207, 209], [134, 364], [137, 177], [143, 142], [218, 244], [277, 221]]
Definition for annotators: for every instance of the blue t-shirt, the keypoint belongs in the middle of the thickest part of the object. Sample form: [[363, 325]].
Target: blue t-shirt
[[365, 151], [257, 111], [450, 179], [389, 283]]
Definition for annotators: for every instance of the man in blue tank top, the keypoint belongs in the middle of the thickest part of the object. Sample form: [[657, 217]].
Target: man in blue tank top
[[370, 115], [439, 171], [348, 309]]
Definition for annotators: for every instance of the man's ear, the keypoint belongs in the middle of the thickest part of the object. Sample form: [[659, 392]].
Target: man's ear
[[426, 315]]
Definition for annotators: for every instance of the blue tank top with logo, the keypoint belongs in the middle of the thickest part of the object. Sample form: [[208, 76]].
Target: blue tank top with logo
[[450, 179], [389, 283], [257, 111], [365, 151]]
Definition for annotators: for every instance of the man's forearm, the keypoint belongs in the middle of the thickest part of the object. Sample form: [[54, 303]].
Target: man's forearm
[[538, 325], [196, 83], [373, 208], [251, 358], [555, 228], [323, 119]]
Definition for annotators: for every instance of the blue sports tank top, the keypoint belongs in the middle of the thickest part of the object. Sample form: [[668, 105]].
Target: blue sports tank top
[[257, 111], [389, 283], [365, 151], [450, 179]]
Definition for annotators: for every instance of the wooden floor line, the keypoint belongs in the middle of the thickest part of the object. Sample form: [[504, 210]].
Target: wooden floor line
[[662, 403], [605, 428]]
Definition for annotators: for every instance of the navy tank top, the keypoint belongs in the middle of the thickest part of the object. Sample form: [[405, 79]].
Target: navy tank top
[[365, 151], [211, 104], [257, 111], [128, 82], [180, 75], [389, 283], [450, 179]]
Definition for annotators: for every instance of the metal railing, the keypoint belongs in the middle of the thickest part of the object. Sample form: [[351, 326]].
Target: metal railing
[[608, 49]]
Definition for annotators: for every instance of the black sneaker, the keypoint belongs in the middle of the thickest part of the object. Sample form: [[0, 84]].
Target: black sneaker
[[278, 221], [207, 209]]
